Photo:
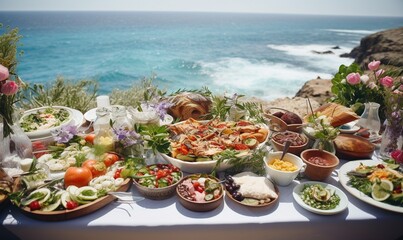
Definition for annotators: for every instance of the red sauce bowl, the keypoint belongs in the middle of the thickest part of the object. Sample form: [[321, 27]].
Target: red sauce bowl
[[320, 164]]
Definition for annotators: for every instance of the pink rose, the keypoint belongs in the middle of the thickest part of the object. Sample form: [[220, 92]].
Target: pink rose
[[3, 73], [9, 88], [386, 81], [379, 72], [374, 65], [353, 78]]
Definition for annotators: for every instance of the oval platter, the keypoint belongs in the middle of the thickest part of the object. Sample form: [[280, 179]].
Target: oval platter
[[81, 210]]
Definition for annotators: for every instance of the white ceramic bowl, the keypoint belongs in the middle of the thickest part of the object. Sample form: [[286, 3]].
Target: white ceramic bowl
[[283, 178], [47, 132]]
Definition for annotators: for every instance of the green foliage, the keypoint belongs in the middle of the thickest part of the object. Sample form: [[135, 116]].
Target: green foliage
[[155, 136], [145, 91], [219, 108], [78, 95]]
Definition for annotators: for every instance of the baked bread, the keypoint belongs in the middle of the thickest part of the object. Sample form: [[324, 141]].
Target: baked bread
[[351, 143], [338, 114], [187, 105]]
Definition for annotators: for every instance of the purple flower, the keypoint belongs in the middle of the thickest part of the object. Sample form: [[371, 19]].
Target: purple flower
[[162, 108], [64, 134], [127, 137]]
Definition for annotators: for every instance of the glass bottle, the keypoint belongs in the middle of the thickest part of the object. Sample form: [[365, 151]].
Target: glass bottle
[[370, 118], [102, 129], [120, 118], [392, 139]]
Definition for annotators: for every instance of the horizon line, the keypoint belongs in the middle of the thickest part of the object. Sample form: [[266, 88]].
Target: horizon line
[[192, 11]]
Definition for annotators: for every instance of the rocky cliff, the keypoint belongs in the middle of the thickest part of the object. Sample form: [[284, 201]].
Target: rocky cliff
[[385, 46]]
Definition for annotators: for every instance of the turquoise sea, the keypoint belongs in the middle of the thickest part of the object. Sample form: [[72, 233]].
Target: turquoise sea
[[263, 55]]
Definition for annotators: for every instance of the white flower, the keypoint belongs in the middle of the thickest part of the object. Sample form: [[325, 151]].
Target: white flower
[[343, 81], [372, 85], [364, 79]]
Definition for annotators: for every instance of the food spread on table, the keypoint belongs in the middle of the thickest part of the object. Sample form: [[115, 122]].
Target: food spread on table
[[44, 118], [382, 182], [200, 188], [319, 197], [198, 141]]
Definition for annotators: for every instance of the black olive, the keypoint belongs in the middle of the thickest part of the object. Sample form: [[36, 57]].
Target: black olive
[[237, 196], [236, 186], [230, 189], [230, 179], [227, 186]]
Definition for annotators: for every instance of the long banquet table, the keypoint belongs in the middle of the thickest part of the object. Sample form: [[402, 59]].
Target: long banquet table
[[167, 219]]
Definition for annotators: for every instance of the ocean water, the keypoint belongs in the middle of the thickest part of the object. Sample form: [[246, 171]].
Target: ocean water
[[262, 55]]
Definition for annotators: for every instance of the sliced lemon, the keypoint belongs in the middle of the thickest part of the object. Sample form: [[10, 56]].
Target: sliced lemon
[[381, 190]]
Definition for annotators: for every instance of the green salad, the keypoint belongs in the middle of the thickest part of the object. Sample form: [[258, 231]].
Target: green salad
[[319, 197], [44, 119]]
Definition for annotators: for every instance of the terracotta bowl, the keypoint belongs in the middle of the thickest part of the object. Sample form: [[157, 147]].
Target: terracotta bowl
[[197, 206], [157, 193], [316, 169], [278, 124], [292, 149]]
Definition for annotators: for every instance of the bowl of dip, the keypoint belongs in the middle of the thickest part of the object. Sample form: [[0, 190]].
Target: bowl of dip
[[319, 163]]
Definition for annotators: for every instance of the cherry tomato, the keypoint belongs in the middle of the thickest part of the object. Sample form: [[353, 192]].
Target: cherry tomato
[[117, 173], [184, 150], [90, 138], [110, 159], [97, 168], [34, 205], [196, 184], [241, 146], [77, 176], [71, 205]]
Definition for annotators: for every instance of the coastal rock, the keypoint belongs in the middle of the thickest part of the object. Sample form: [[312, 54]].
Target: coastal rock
[[316, 89], [385, 46], [323, 52]]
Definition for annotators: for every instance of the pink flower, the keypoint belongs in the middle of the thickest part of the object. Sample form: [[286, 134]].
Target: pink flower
[[9, 88], [386, 81], [374, 65], [397, 155], [353, 78], [3, 73], [379, 72], [372, 85]]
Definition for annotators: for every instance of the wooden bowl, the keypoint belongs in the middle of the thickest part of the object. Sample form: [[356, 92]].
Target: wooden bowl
[[200, 206], [279, 125], [316, 171], [157, 193], [349, 146], [292, 149]]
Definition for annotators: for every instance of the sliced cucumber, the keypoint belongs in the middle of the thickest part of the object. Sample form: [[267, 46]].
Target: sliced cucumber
[[41, 195], [87, 193], [65, 198], [53, 206]]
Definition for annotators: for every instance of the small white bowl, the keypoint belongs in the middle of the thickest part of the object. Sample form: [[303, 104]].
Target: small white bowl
[[283, 178]]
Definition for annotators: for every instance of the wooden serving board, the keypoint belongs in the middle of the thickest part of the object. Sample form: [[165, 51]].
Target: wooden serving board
[[81, 210]]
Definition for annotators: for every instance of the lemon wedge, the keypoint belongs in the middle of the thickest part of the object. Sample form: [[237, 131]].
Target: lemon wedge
[[381, 190]]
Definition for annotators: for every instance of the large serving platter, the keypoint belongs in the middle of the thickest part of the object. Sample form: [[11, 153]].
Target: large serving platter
[[341, 207], [75, 118], [81, 210], [343, 178], [205, 166]]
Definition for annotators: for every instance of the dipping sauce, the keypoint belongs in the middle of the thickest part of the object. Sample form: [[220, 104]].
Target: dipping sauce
[[283, 165], [319, 161]]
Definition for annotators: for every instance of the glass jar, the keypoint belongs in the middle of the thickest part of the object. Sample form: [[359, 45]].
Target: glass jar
[[392, 139], [102, 129], [120, 118], [147, 116], [324, 144], [370, 118]]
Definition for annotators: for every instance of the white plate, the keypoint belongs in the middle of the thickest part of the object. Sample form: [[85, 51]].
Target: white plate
[[353, 128], [47, 132], [205, 166], [342, 204], [343, 178]]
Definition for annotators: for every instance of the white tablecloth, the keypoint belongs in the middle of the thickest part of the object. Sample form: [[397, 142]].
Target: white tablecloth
[[168, 219]]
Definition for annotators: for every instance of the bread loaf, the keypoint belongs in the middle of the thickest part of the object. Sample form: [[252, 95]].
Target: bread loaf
[[338, 114], [189, 105]]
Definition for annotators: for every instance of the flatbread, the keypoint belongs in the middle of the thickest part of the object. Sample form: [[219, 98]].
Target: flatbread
[[254, 186]]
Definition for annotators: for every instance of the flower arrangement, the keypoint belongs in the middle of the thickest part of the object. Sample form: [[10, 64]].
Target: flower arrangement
[[353, 88], [10, 83]]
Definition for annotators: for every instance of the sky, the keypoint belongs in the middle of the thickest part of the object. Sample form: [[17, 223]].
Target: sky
[[393, 8]]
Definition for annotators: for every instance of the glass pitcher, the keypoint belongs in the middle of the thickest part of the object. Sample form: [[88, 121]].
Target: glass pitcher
[[370, 118]]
